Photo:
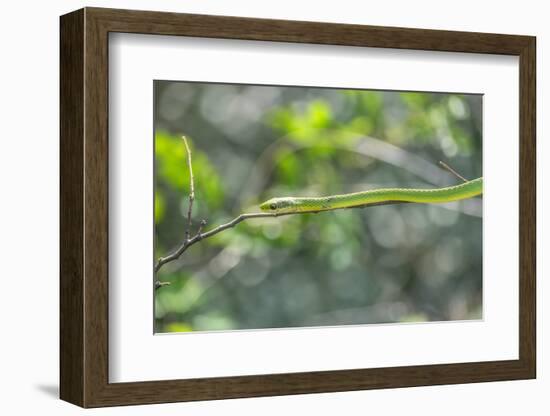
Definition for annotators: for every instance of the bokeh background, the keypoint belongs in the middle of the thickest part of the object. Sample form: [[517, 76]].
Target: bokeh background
[[386, 264]]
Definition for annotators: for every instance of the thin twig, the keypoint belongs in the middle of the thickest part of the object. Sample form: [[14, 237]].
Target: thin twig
[[189, 241], [454, 172], [201, 225], [159, 284], [191, 188], [243, 217]]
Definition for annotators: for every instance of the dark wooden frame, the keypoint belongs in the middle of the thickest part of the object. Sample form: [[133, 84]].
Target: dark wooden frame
[[84, 207]]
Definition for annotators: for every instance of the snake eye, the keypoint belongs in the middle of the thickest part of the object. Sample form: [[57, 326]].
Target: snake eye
[[273, 207]]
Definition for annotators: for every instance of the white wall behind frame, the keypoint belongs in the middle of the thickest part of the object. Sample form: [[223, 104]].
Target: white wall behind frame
[[29, 161]]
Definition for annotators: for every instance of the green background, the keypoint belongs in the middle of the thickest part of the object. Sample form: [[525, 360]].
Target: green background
[[398, 263]]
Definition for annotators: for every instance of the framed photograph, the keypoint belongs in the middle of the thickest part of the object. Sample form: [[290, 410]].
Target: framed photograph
[[254, 207]]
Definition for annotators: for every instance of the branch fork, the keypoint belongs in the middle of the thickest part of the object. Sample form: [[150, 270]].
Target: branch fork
[[189, 240]]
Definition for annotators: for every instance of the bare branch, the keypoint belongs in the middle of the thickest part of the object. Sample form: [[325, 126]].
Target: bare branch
[[201, 225], [159, 284], [243, 217], [454, 172], [191, 188], [189, 241]]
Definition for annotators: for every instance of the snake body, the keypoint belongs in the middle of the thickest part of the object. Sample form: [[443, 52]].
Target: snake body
[[375, 196]]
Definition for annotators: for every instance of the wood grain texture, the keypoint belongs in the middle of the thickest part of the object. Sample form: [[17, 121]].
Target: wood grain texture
[[96, 208], [84, 206], [227, 27], [71, 185], [527, 208]]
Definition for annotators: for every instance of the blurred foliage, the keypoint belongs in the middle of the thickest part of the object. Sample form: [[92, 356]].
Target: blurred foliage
[[400, 263]]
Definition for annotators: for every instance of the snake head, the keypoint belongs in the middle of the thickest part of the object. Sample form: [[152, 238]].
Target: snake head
[[278, 205]]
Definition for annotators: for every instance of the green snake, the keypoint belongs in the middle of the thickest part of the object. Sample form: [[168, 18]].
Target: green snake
[[375, 196]]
